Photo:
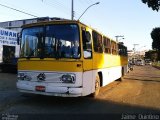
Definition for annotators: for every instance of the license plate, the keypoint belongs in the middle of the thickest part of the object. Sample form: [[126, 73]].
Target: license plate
[[40, 88]]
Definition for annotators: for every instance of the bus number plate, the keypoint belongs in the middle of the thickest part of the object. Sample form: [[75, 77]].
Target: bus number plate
[[40, 88]]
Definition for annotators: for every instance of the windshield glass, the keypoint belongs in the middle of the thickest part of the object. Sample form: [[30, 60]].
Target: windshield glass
[[52, 41], [31, 39]]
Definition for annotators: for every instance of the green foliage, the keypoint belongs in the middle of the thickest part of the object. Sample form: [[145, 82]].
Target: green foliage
[[152, 55], [155, 35], [148, 55], [154, 4], [156, 64]]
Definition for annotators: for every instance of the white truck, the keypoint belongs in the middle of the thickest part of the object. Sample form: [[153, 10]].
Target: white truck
[[9, 49]]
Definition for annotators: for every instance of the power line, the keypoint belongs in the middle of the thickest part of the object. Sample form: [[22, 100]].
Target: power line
[[18, 10], [60, 7], [59, 4]]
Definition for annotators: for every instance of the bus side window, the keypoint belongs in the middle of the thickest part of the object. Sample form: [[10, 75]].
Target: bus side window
[[97, 42], [87, 44], [107, 46]]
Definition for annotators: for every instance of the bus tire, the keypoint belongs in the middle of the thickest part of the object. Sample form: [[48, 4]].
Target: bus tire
[[120, 79], [97, 86]]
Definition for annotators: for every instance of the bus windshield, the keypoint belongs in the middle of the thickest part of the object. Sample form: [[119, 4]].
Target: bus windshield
[[51, 41]]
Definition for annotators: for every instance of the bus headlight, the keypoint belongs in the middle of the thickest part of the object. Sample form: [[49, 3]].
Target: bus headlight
[[68, 78]]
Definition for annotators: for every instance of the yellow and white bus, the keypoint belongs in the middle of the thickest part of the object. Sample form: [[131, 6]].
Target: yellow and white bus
[[67, 58]]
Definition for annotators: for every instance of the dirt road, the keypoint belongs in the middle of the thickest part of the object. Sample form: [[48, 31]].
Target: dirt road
[[138, 93], [140, 87]]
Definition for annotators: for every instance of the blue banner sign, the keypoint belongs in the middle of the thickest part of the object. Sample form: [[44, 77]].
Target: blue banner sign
[[8, 37]]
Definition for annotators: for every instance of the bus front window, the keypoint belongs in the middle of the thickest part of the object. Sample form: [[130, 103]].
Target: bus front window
[[62, 41], [51, 41], [31, 43]]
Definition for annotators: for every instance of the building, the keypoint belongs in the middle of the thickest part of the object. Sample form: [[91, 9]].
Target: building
[[16, 24], [130, 53]]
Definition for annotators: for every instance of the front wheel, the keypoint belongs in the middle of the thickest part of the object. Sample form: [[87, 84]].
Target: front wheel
[[97, 86]]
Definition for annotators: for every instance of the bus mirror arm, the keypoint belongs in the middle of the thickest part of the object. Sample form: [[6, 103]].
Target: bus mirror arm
[[18, 41], [19, 38]]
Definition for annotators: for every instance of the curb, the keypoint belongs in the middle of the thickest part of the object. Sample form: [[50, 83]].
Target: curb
[[158, 67]]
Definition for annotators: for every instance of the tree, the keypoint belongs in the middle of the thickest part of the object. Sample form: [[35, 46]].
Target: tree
[[154, 4], [152, 55], [155, 35]]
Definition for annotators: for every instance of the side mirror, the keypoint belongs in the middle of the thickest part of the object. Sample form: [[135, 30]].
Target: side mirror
[[18, 41], [18, 38]]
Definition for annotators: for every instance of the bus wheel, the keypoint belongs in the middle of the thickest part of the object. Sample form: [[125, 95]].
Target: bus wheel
[[120, 79], [97, 86]]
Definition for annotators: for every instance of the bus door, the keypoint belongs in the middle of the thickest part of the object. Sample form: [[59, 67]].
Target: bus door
[[87, 50], [87, 61]]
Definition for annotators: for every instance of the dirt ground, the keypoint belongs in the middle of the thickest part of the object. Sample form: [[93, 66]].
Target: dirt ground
[[140, 87], [138, 93]]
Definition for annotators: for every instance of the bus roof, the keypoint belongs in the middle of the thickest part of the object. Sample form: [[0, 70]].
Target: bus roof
[[63, 21], [51, 22]]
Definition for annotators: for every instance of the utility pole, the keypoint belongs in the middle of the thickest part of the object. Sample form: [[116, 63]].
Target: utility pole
[[72, 10], [134, 54], [118, 37], [134, 47]]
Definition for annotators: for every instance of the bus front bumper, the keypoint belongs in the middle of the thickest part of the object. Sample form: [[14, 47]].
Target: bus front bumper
[[49, 89]]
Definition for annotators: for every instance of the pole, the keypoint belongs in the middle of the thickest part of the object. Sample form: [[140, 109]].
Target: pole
[[118, 37], [135, 47], [72, 11], [88, 8]]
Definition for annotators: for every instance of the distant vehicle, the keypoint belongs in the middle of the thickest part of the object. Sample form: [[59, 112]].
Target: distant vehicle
[[148, 62], [9, 49], [140, 62]]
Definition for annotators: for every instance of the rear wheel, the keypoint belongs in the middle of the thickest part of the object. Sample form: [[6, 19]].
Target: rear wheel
[[120, 79]]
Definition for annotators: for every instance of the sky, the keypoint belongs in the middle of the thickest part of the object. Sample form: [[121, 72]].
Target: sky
[[129, 18]]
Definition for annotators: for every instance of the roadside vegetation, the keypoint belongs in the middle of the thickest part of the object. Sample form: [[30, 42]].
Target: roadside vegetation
[[156, 64]]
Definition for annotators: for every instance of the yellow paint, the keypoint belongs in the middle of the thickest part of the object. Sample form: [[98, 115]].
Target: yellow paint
[[67, 65], [107, 60], [50, 65]]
